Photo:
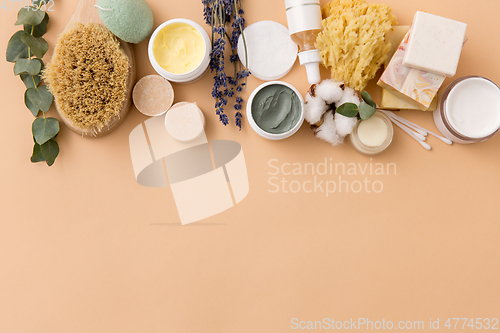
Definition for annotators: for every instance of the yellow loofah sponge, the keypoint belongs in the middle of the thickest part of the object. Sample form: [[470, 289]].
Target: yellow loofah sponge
[[352, 42], [88, 76]]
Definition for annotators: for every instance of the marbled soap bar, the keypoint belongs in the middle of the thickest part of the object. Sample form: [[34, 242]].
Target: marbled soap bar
[[390, 101], [414, 86], [435, 44]]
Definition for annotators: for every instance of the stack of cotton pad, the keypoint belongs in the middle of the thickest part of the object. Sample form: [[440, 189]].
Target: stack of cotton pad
[[271, 52]]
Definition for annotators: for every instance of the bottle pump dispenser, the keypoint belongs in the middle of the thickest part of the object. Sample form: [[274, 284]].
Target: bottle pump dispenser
[[304, 24]]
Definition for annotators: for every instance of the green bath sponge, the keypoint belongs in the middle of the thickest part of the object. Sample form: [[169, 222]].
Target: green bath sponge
[[130, 20]]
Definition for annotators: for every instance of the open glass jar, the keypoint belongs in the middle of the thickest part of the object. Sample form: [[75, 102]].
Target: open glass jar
[[469, 110], [372, 136]]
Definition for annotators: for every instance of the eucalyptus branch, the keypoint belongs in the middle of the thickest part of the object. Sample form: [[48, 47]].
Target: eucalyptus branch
[[22, 46]]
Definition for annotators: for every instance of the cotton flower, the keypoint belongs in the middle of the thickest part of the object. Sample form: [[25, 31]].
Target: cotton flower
[[345, 125], [330, 91], [314, 109], [321, 101], [350, 96], [328, 130]]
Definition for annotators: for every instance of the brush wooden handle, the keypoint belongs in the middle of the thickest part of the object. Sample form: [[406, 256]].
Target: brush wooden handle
[[86, 12]]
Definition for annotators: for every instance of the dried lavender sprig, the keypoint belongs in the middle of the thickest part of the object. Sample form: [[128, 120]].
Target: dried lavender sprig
[[217, 14], [238, 26]]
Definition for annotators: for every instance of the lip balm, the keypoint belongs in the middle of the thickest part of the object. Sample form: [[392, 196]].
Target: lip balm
[[372, 136], [372, 132]]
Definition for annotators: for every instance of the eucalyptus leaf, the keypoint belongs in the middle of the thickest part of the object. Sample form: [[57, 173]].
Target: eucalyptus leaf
[[34, 109], [31, 81], [366, 110], [50, 150], [348, 109], [27, 66], [37, 155], [39, 46], [16, 48], [44, 129], [368, 99], [21, 66], [30, 15], [38, 30], [40, 97]]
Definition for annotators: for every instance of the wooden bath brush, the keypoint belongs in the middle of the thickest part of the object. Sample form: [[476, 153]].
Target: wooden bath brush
[[91, 74]]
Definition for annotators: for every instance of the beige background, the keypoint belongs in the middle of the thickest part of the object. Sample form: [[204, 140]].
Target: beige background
[[84, 248]]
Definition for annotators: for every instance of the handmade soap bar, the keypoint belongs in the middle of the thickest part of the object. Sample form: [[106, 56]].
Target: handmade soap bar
[[414, 86], [390, 101], [185, 122], [153, 95], [435, 44], [395, 36]]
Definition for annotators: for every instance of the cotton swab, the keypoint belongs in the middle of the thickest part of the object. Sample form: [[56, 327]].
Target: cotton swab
[[411, 133], [407, 130], [445, 140], [404, 121]]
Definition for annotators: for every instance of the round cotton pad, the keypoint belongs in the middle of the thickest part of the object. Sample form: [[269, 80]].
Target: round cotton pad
[[271, 52], [153, 95], [185, 122]]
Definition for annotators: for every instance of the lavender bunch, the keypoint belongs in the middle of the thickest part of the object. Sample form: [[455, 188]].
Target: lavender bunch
[[219, 14]]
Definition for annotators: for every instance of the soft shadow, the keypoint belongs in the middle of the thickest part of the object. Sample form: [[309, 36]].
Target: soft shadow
[[195, 224]]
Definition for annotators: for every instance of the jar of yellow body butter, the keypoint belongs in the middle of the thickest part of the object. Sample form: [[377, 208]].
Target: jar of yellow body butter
[[179, 50]]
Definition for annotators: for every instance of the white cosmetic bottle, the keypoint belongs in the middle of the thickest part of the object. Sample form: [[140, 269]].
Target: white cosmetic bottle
[[304, 24]]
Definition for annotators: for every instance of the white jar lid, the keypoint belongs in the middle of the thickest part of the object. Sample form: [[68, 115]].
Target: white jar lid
[[271, 52]]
